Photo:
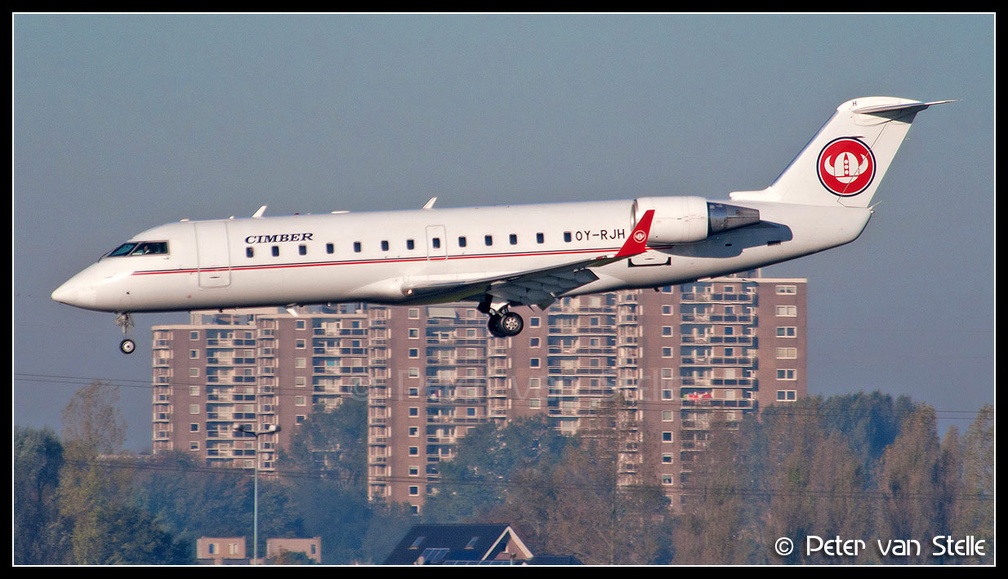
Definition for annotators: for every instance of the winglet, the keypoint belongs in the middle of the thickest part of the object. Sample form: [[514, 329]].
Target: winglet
[[636, 244]]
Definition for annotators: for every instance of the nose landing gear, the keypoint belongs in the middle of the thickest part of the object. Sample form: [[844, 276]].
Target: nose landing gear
[[125, 322]]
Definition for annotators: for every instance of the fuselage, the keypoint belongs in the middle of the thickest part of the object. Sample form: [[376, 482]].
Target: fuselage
[[375, 256]]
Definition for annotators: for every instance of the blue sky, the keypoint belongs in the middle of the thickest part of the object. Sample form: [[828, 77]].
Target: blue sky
[[123, 122]]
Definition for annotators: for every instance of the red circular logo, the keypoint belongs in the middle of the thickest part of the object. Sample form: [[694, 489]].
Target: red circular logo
[[846, 166]]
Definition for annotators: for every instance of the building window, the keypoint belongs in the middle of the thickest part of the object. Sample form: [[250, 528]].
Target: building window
[[786, 290], [666, 331], [786, 374], [533, 342], [194, 445], [413, 313], [786, 395], [414, 352], [667, 416], [414, 333], [666, 436], [413, 392], [299, 419], [533, 362], [300, 363], [666, 352], [194, 335], [299, 325], [414, 451], [787, 311], [194, 427], [667, 310], [666, 394], [194, 372], [535, 403], [300, 401], [414, 490], [194, 390], [666, 459], [787, 331], [414, 411], [787, 353], [414, 471], [194, 354], [667, 480], [194, 409], [413, 372], [414, 431]]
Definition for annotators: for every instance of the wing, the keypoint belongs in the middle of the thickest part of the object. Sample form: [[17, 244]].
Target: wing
[[539, 287]]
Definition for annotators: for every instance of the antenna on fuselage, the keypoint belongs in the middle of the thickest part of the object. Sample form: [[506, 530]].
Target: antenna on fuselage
[[259, 213], [430, 203]]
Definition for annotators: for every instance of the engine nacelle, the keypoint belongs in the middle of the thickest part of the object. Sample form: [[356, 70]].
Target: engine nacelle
[[690, 219]]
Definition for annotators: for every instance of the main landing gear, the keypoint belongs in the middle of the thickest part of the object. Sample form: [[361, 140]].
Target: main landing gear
[[503, 322], [125, 321]]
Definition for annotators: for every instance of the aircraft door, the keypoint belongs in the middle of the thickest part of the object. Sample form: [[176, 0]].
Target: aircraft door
[[212, 258], [437, 242]]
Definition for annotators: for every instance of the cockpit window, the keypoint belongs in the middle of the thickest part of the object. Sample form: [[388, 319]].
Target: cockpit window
[[124, 249], [140, 248], [151, 247]]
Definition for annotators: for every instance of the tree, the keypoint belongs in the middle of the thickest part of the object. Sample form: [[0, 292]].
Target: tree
[[92, 426], [711, 528], [976, 513], [324, 470], [476, 480], [41, 536], [909, 482]]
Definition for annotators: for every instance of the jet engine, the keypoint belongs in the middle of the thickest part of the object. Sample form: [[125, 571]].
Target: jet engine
[[689, 219]]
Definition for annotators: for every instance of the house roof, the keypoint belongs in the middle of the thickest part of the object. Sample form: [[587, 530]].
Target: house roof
[[459, 544]]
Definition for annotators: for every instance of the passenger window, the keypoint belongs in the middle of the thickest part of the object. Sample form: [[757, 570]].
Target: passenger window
[[357, 247], [329, 248], [249, 252], [462, 241], [302, 250], [567, 236], [488, 239], [384, 245], [436, 242], [540, 238], [513, 239], [276, 251], [409, 244]]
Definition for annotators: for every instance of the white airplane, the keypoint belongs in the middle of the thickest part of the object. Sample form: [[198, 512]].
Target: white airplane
[[501, 257]]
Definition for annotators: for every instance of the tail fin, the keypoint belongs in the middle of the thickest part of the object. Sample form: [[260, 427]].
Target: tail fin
[[845, 162]]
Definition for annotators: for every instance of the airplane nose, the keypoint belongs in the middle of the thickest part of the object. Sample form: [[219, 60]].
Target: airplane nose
[[72, 293]]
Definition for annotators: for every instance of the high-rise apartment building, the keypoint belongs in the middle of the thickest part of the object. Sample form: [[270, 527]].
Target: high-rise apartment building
[[655, 365]]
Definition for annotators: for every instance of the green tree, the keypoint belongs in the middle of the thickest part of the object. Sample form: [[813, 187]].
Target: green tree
[[476, 479], [41, 536], [190, 499], [324, 470]]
